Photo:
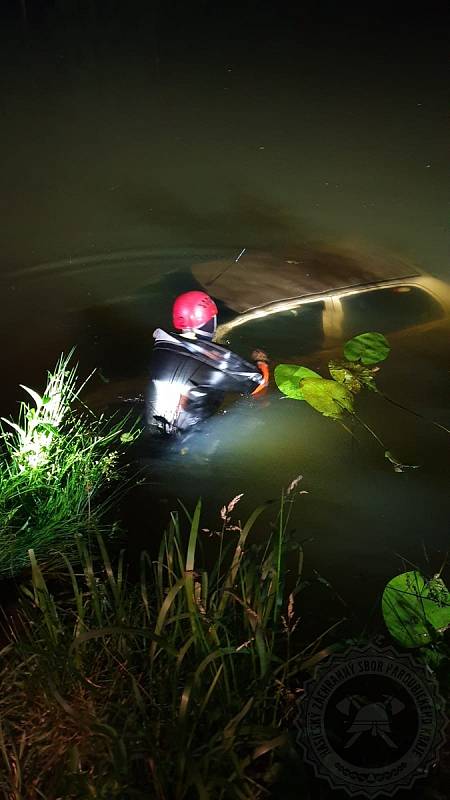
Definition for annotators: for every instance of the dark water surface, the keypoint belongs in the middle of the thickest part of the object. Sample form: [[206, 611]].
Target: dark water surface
[[136, 140]]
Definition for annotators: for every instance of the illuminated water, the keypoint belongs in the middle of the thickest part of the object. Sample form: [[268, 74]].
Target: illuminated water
[[129, 154]]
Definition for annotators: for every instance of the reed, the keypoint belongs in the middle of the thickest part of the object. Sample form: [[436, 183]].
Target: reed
[[58, 465], [178, 685]]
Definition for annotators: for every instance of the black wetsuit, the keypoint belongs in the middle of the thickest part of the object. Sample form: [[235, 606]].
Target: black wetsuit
[[189, 379]]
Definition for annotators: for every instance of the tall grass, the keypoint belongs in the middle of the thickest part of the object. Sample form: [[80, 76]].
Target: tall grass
[[56, 461], [180, 685]]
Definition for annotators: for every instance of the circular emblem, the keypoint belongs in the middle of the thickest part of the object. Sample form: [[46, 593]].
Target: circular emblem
[[371, 721]]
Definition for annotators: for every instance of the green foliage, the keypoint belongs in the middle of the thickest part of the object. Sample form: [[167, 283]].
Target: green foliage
[[369, 348], [178, 686], [343, 373], [350, 374], [416, 611], [55, 463], [353, 375], [334, 398], [328, 397], [288, 378]]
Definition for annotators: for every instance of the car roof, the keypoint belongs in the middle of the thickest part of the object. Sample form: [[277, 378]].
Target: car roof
[[259, 279]]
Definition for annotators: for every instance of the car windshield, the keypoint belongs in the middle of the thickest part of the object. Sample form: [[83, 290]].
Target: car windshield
[[288, 334], [388, 310]]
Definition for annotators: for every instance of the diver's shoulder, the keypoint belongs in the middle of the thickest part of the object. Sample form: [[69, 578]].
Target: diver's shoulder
[[162, 336]]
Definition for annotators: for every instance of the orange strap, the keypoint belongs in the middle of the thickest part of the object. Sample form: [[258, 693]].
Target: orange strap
[[264, 370]]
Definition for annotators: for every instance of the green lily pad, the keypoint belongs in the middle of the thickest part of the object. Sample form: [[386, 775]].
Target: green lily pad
[[369, 348], [340, 372], [353, 375], [416, 611], [288, 377], [365, 377], [328, 397]]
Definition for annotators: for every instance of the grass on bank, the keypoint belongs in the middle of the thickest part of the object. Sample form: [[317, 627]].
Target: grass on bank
[[182, 685], [56, 461]]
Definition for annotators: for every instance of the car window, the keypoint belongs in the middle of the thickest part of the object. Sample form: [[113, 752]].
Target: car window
[[285, 334], [388, 309], [289, 334]]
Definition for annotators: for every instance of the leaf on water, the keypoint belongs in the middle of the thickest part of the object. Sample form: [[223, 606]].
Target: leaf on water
[[365, 376], [342, 372], [353, 375], [288, 377], [328, 397], [416, 611], [369, 348]]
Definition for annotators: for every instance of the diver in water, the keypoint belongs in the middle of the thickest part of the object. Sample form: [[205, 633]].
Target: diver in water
[[189, 374]]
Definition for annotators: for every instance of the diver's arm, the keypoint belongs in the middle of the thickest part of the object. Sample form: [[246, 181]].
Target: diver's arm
[[213, 367]]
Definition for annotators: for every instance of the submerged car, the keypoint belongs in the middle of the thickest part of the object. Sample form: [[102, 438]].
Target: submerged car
[[313, 300]]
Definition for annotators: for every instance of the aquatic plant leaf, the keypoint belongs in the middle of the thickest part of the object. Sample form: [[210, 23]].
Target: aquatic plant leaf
[[365, 377], [288, 377], [328, 397], [369, 348], [340, 372], [416, 611], [353, 375]]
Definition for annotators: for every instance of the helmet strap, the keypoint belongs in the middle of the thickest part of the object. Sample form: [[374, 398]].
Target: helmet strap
[[207, 330]]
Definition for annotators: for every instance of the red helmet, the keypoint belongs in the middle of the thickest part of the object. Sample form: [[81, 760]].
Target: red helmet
[[192, 310]]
